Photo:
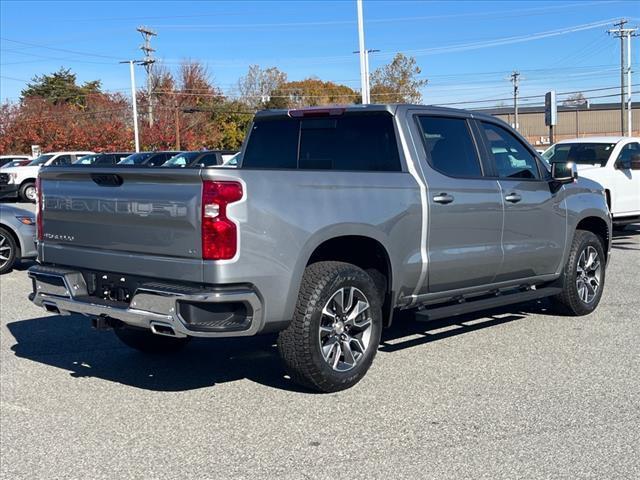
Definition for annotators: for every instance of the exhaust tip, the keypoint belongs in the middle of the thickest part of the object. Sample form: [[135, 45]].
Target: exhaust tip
[[162, 329], [51, 308]]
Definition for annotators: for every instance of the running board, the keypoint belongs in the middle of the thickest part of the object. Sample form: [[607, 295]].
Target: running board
[[499, 300]]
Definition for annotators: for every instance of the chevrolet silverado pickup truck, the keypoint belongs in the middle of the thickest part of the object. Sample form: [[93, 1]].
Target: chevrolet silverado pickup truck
[[334, 219]]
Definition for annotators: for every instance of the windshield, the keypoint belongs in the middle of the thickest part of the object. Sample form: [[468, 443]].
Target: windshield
[[87, 160], [181, 160], [41, 160], [580, 153], [135, 159]]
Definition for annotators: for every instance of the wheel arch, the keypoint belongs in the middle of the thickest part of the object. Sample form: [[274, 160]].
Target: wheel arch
[[598, 227], [364, 248], [27, 180]]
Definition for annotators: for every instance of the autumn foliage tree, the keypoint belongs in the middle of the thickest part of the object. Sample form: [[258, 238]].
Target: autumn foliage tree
[[311, 92], [57, 113], [398, 81]]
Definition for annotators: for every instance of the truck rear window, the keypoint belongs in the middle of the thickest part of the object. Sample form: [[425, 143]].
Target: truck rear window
[[349, 142]]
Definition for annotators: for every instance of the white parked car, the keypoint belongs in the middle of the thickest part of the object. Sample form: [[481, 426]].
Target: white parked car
[[21, 181], [614, 162]]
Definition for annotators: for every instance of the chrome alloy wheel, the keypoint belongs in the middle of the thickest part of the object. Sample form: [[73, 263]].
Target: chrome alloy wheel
[[345, 329], [588, 274], [5, 250]]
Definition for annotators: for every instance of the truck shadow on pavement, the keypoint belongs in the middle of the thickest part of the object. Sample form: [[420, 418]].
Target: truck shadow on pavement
[[626, 239], [205, 362]]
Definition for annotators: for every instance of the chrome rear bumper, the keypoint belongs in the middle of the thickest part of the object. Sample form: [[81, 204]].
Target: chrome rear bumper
[[64, 291]]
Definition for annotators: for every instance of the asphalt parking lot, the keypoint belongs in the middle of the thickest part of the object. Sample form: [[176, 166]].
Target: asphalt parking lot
[[511, 393]]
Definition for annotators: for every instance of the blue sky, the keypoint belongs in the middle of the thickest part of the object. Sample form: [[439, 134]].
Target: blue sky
[[465, 48]]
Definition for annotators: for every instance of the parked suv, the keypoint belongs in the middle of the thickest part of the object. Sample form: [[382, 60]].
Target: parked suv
[[614, 162], [21, 181], [334, 219]]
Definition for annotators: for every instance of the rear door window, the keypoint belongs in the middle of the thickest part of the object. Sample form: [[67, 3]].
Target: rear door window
[[449, 146], [511, 157]]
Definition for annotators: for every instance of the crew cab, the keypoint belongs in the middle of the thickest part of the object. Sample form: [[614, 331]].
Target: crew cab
[[614, 162], [334, 219], [20, 182]]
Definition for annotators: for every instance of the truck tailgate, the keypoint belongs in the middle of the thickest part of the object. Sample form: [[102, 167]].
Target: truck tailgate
[[131, 220]]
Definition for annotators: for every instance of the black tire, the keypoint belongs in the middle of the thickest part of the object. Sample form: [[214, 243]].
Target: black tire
[[24, 192], [299, 343], [569, 301], [143, 340], [9, 249]]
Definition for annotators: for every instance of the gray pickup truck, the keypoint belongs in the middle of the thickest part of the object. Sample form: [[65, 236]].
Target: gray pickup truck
[[335, 219]]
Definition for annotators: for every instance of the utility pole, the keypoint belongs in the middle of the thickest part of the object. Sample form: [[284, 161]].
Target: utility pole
[[515, 79], [364, 81], [148, 62], [623, 34], [366, 71], [134, 103], [177, 120]]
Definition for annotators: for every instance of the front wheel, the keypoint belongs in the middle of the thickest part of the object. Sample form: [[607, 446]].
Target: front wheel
[[583, 276], [334, 335], [9, 251]]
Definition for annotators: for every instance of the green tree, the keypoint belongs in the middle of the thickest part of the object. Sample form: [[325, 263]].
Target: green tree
[[397, 82], [61, 87]]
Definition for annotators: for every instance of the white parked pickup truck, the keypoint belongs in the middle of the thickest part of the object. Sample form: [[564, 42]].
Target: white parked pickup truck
[[21, 181], [614, 162]]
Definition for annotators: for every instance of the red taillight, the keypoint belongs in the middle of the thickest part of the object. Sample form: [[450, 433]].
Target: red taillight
[[39, 232], [219, 233]]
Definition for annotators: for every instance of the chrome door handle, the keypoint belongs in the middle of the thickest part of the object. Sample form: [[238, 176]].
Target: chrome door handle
[[513, 198], [443, 198]]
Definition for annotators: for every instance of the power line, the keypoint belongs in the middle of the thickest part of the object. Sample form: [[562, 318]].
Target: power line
[[75, 52]]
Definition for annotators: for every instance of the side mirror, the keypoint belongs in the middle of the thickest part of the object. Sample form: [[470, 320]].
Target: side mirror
[[564, 172]]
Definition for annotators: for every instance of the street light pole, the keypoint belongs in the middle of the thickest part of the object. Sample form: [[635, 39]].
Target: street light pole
[[134, 104], [363, 61]]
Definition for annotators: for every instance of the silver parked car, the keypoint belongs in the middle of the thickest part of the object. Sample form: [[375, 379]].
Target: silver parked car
[[17, 236]]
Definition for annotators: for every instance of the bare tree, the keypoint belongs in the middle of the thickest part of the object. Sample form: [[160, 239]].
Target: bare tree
[[257, 86], [575, 100]]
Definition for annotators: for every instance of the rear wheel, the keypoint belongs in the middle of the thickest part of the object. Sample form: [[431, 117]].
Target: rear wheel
[[143, 340], [334, 335], [28, 192], [583, 276], [9, 251]]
